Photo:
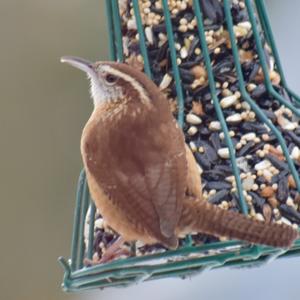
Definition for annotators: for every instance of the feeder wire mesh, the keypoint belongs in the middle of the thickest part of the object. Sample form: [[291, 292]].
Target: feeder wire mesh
[[188, 259]]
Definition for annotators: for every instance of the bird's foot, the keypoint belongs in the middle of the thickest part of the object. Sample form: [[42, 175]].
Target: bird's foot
[[112, 252]]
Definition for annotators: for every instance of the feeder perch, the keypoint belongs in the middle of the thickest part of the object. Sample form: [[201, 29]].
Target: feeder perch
[[191, 259]]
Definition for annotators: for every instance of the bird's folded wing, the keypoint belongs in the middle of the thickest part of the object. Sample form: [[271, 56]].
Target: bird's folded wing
[[145, 177]]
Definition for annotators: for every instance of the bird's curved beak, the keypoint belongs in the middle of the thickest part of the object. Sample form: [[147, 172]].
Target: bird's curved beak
[[80, 63]]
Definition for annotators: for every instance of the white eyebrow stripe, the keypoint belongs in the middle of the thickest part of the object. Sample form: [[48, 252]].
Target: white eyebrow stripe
[[141, 91]]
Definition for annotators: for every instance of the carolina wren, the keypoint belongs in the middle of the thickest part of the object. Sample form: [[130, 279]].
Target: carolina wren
[[142, 176]]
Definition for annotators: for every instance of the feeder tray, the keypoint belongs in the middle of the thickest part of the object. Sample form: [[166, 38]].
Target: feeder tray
[[188, 260]]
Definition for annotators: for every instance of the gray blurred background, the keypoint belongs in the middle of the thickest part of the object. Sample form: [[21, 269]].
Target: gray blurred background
[[44, 106]]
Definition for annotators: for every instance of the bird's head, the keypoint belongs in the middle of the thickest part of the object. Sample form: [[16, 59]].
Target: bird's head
[[111, 81]]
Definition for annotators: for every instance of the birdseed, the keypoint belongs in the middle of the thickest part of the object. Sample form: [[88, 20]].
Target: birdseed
[[268, 188]]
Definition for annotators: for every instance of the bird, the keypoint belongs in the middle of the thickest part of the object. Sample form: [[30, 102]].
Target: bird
[[141, 174]]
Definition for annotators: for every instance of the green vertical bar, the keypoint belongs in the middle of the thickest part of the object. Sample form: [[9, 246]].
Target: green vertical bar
[[217, 106], [180, 98], [75, 236], [85, 203], [142, 40], [111, 35], [117, 29]]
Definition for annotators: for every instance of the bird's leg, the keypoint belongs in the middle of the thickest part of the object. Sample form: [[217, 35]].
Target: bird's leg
[[133, 248], [112, 252]]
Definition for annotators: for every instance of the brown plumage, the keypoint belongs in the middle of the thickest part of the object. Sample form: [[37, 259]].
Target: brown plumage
[[142, 176]]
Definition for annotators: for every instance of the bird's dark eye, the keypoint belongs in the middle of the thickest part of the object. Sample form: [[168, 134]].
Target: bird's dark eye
[[110, 78]]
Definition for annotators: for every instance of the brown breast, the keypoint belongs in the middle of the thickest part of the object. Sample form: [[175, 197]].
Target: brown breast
[[136, 168]]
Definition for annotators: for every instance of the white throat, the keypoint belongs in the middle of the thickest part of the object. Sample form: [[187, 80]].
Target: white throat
[[98, 94]]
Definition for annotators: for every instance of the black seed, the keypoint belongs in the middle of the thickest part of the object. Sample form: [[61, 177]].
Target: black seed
[[256, 147], [186, 75], [294, 194], [189, 16], [213, 175], [162, 52], [194, 44], [259, 91], [202, 160], [215, 140], [208, 10], [159, 28], [207, 96], [275, 104], [253, 126], [294, 137], [285, 94], [218, 197], [218, 185], [290, 213], [279, 164], [158, 11], [219, 10], [239, 15], [252, 75], [283, 190], [270, 115], [223, 67], [190, 64], [253, 160], [272, 138], [267, 56], [134, 48], [204, 131], [279, 176], [209, 151], [211, 27], [234, 141], [261, 180], [246, 149], [227, 170], [236, 201], [209, 108], [257, 200]]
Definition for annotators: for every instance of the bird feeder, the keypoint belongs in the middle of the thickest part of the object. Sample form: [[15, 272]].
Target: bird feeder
[[233, 43]]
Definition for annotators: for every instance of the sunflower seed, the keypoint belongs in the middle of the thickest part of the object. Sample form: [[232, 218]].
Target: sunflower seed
[[228, 101], [235, 118], [149, 35], [223, 153], [248, 183], [193, 119], [192, 130], [295, 153], [262, 165], [166, 81], [215, 126]]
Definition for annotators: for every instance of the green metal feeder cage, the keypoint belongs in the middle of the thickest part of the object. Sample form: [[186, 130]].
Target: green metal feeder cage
[[187, 260]]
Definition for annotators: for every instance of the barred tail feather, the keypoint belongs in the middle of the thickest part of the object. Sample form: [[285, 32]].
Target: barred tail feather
[[201, 216]]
